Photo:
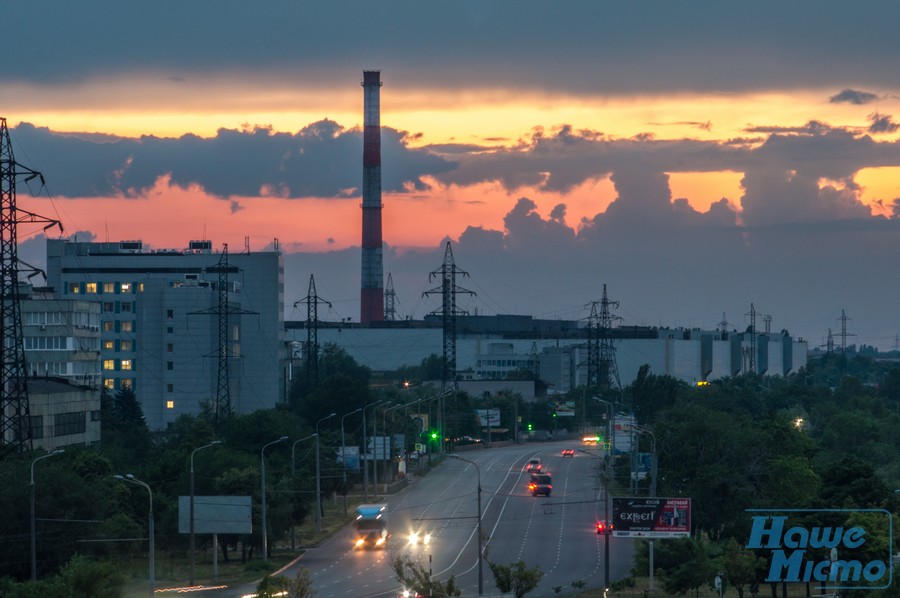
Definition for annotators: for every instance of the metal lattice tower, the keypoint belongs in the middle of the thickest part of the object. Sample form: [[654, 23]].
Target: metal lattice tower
[[751, 363], [312, 330], [723, 325], [593, 347], [222, 407], [449, 312], [15, 424], [608, 370], [390, 312], [844, 334]]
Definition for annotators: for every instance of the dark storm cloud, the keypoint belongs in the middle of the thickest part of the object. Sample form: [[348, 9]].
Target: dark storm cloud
[[323, 160], [853, 96], [580, 46]]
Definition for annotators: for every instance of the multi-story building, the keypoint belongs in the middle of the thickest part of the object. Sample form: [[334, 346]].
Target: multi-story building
[[61, 337], [162, 316]]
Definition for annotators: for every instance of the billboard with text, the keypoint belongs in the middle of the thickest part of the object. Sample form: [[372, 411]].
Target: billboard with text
[[648, 517]]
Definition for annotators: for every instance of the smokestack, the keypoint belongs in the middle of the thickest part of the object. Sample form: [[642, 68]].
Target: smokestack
[[372, 292]]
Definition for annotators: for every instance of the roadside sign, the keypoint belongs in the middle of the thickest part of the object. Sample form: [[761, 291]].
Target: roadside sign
[[647, 517]]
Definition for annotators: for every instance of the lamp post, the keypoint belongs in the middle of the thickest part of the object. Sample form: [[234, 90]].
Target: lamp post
[[344, 456], [293, 472], [318, 488], [611, 455], [33, 524], [389, 454], [653, 468], [366, 449], [375, 445], [150, 529], [262, 471], [213, 443], [477, 469]]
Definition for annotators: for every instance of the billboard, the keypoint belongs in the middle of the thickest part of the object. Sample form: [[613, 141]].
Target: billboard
[[488, 418], [215, 515], [648, 517]]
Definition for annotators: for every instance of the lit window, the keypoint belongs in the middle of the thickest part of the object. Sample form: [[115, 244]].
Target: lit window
[[108, 345], [109, 326], [126, 364], [140, 287], [125, 346], [126, 326], [90, 287], [109, 287], [109, 364], [126, 287], [170, 404], [74, 288], [109, 383]]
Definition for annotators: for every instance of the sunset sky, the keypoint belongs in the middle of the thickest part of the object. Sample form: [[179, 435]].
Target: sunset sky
[[696, 157]]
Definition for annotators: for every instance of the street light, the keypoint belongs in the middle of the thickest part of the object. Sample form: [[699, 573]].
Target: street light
[[33, 532], [388, 443], [478, 469], [293, 473], [213, 443], [653, 469], [318, 489], [262, 470], [611, 455], [344, 456], [375, 445], [365, 447], [150, 529]]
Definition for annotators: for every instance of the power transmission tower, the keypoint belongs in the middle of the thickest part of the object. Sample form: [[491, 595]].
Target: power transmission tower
[[723, 325], [767, 321], [844, 334], [222, 407], [390, 313], [609, 371], [312, 330], [449, 312], [751, 359], [15, 415], [602, 368]]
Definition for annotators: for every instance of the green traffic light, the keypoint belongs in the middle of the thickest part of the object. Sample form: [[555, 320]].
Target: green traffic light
[[434, 435]]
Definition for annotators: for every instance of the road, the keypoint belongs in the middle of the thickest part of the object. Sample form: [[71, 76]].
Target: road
[[556, 534]]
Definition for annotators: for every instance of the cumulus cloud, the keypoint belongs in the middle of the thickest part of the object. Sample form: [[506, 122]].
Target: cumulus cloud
[[882, 123], [321, 160], [853, 96]]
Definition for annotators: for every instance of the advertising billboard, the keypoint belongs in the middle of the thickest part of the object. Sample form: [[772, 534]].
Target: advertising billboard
[[646, 517]]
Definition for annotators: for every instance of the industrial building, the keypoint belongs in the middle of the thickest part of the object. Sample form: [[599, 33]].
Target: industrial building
[[491, 347], [181, 328]]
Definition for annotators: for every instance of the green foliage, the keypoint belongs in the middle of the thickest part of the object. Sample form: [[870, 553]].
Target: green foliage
[[272, 586], [416, 578], [687, 567], [516, 577], [742, 567], [85, 578]]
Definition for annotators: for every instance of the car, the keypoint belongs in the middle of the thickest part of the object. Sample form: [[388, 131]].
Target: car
[[568, 452], [603, 528], [464, 440], [533, 465], [541, 483]]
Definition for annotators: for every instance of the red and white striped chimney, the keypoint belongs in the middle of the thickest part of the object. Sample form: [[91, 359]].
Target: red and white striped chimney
[[372, 292]]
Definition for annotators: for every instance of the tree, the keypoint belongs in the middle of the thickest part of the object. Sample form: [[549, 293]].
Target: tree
[[416, 578], [742, 566], [515, 577]]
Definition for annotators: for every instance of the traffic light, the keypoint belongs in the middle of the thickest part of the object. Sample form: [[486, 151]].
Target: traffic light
[[434, 435], [530, 427]]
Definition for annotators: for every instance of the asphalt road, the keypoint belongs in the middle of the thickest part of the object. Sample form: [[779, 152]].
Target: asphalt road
[[556, 533]]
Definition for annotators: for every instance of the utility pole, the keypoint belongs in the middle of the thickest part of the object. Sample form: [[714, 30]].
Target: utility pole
[[15, 420]]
